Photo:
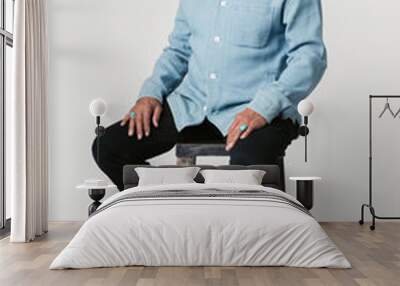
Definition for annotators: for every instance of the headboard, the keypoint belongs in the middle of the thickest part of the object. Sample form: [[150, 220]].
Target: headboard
[[271, 179]]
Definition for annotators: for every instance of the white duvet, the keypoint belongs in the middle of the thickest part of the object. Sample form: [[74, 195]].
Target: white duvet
[[200, 232]]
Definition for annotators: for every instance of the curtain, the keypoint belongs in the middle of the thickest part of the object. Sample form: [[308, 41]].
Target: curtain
[[27, 123]]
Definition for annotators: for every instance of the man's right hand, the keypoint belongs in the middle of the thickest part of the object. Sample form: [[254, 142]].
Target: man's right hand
[[147, 110]]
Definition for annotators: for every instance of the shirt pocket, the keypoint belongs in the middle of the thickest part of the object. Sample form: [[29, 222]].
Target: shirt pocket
[[251, 23]]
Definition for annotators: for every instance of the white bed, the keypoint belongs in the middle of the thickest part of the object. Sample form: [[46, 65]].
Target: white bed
[[208, 230]]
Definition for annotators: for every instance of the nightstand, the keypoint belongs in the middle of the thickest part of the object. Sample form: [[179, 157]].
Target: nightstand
[[96, 190], [305, 190]]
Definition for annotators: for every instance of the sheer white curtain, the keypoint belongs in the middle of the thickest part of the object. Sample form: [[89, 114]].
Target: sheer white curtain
[[27, 123]]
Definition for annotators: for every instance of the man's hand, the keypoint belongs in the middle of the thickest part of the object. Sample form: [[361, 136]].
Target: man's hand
[[248, 118], [145, 111]]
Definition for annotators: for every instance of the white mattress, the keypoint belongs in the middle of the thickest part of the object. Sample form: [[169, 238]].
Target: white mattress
[[200, 232]]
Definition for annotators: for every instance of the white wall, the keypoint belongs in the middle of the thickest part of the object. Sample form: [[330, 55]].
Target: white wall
[[103, 48]]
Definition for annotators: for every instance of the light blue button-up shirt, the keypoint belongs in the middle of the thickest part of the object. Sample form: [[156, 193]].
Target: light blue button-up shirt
[[228, 55]]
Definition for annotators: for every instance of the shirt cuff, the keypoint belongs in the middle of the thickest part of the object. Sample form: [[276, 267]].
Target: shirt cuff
[[149, 89], [269, 103]]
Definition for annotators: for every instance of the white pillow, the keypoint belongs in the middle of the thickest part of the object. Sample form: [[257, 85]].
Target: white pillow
[[247, 177], [166, 176]]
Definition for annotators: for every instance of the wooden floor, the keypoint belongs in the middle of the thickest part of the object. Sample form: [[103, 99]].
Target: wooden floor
[[375, 257]]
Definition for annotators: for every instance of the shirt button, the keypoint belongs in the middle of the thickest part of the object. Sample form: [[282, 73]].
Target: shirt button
[[223, 3], [213, 76], [205, 108], [217, 39]]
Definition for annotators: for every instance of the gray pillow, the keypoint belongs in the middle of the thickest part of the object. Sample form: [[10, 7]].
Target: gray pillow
[[166, 176], [245, 177]]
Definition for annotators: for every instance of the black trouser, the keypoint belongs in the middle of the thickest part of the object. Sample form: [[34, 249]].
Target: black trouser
[[262, 147]]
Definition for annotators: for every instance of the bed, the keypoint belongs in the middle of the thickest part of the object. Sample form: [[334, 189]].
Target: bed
[[197, 224]]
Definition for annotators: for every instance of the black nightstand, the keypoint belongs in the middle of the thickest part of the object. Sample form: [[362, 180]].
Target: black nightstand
[[305, 190], [96, 191]]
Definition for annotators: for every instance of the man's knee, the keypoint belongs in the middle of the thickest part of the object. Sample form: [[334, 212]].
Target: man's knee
[[109, 144], [100, 152]]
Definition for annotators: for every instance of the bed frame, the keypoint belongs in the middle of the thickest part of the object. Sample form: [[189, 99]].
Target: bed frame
[[271, 179]]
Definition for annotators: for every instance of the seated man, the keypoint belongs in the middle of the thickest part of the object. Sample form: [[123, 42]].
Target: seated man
[[234, 70]]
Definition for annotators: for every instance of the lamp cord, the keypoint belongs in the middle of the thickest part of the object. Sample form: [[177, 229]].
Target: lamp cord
[[305, 146]]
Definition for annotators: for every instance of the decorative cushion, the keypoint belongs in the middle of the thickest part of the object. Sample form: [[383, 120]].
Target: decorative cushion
[[246, 177], [162, 176]]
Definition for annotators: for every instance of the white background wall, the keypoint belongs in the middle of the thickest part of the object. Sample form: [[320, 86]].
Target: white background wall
[[103, 48]]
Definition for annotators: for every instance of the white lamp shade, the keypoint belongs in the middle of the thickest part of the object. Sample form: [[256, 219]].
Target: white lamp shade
[[98, 107], [305, 108]]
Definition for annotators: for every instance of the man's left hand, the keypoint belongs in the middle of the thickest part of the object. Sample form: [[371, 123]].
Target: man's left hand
[[249, 119]]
